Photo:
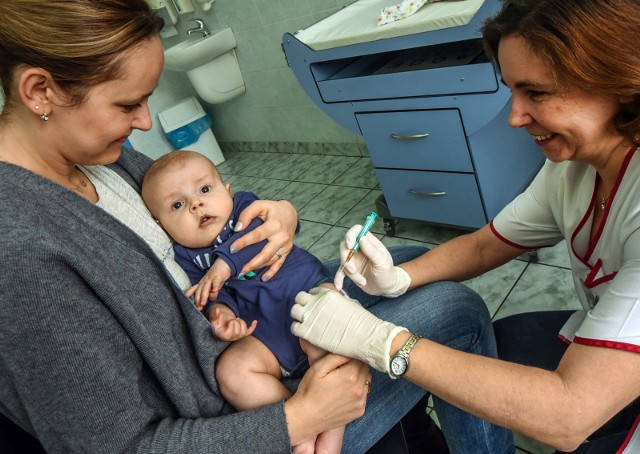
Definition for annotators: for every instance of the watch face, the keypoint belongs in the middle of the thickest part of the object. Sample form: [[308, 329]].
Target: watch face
[[398, 366]]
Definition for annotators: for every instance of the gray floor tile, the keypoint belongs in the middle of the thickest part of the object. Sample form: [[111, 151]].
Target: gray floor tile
[[421, 231], [328, 246], [557, 255], [541, 287], [327, 169], [394, 241], [239, 163], [296, 165], [360, 175], [495, 285], [332, 204], [309, 233], [358, 214], [262, 165], [264, 188], [281, 166], [242, 183], [299, 193]]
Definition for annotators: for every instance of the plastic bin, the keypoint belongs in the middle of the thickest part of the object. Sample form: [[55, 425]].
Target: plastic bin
[[188, 127]]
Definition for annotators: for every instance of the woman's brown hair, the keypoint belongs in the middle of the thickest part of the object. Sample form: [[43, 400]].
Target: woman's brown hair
[[77, 41], [590, 44]]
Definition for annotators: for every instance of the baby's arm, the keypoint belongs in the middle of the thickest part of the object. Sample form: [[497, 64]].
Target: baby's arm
[[227, 326], [210, 284]]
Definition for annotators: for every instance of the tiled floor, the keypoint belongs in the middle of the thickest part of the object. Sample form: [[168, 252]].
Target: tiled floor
[[332, 193]]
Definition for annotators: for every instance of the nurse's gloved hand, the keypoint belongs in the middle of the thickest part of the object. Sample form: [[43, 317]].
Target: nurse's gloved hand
[[371, 268], [341, 325]]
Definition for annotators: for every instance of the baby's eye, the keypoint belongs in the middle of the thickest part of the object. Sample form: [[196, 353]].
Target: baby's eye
[[177, 205], [205, 189]]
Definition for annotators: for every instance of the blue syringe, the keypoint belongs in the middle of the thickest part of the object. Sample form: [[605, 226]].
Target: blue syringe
[[365, 228]]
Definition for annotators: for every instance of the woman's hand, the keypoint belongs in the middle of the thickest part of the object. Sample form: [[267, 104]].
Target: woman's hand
[[336, 389], [335, 323], [280, 220], [371, 268]]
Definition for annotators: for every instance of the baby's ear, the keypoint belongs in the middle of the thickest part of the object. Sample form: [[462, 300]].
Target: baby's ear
[[228, 186]]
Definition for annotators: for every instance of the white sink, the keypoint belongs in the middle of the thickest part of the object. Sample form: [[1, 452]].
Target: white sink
[[196, 52], [211, 65]]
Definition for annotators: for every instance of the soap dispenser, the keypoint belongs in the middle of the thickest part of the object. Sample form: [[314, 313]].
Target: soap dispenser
[[205, 4]]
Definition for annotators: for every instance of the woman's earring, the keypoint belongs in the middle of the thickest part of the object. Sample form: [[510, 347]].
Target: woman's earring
[[44, 116]]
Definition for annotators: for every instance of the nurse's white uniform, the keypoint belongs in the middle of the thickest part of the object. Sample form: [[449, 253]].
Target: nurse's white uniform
[[559, 204]]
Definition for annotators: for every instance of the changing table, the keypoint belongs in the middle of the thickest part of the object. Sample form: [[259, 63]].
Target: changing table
[[428, 103]]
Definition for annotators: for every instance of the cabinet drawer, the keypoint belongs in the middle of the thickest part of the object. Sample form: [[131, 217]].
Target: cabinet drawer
[[424, 140], [355, 83], [438, 197]]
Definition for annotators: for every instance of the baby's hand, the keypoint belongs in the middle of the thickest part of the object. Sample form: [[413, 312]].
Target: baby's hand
[[209, 286], [228, 327]]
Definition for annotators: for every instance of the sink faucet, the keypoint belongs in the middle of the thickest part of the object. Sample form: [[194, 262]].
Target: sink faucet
[[201, 28]]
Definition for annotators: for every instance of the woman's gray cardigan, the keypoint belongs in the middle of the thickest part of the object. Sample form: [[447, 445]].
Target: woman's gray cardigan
[[101, 352]]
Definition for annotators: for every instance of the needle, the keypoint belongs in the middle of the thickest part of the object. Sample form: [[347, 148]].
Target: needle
[[365, 228]]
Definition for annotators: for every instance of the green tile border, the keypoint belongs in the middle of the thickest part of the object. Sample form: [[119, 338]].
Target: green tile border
[[355, 149]]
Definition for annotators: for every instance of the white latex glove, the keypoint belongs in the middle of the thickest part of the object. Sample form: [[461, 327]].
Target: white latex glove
[[341, 325], [371, 267]]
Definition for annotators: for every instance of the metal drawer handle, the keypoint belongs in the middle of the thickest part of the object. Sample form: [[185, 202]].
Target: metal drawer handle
[[411, 137], [426, 194]]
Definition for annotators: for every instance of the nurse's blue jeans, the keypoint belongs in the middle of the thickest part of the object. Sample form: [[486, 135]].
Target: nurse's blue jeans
[[445, 312]]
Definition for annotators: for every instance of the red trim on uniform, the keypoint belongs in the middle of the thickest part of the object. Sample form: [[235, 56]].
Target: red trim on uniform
[[588, 281], [511, 243], [607, 344], [612, 195], [602, 280], [504, 240], [579, 227], [591, 281], [629, 436], [564, 339]]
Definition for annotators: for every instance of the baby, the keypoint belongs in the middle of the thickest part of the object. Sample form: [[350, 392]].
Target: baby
[[185, 193]]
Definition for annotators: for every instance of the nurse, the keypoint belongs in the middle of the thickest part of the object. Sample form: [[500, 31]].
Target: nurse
[[573, 67]]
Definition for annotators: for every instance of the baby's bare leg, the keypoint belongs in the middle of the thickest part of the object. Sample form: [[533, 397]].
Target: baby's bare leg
[[249, 375], [329, 442]]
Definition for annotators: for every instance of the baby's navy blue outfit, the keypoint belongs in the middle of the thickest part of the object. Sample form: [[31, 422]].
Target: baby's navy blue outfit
[[249, 297]]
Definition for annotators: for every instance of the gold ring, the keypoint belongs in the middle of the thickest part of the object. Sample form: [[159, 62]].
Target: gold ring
[[367, 383], [279, 255]]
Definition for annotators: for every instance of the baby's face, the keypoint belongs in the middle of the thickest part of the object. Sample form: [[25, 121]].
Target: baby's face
[[191, 202]]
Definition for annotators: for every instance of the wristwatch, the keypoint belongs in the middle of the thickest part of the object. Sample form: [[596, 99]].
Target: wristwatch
[[400, 362]]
